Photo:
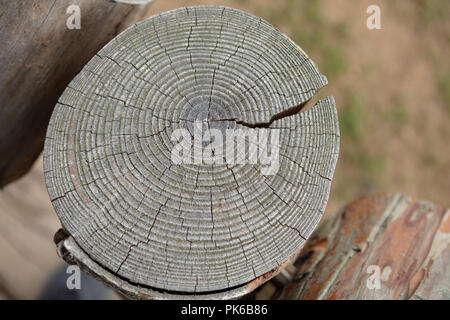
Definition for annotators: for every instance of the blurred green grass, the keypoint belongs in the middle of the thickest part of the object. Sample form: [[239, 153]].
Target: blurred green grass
[[318, 37], [443, 84], [398, 112], [352, 117]]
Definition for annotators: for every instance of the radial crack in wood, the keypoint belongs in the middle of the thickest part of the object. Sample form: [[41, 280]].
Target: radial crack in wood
[[283, 114], [205, 229]]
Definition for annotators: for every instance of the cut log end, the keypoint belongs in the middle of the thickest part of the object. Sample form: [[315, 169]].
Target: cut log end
[[155, 227]]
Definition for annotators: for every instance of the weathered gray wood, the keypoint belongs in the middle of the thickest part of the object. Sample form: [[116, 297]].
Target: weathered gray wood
[[402, 241], [39, 56], [145, 224], [136, 2]]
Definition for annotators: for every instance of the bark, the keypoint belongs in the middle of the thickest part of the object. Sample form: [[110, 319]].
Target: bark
[[39, 56], [408, 240]]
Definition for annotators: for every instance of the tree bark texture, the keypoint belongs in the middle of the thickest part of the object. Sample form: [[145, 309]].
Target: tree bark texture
[[403, 241]]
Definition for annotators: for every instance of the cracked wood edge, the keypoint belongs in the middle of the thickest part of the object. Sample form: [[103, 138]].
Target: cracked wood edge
[[68, 250], [183, 228], [407, 238], [39, 57]]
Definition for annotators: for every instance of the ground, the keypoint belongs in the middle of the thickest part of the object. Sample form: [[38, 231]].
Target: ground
[[392, 89]]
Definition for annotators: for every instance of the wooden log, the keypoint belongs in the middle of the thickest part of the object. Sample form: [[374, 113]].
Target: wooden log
[[39, 57], [378, 247], [155, 228]]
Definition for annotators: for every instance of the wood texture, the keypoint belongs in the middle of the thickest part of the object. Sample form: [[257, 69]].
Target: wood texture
[[136, 217], [408, 240], [39, 56]]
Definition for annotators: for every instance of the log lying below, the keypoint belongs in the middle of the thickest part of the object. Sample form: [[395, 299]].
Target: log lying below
[[408, 240]]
